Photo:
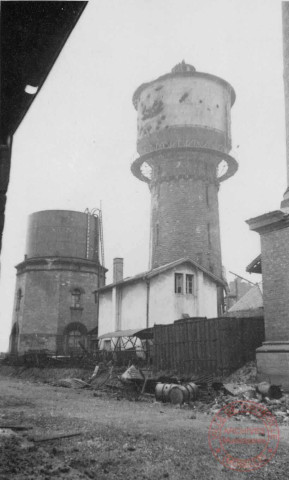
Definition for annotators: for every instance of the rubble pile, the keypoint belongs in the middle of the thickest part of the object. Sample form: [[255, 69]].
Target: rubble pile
[[205, 395], [246, 374], [210, 402]]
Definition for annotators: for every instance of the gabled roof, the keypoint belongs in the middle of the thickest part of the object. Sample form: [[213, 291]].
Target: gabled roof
[[157, 271], [252, 300], [255, 266]]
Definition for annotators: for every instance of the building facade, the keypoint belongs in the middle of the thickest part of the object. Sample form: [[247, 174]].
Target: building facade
[[54, 307], [160, 296]]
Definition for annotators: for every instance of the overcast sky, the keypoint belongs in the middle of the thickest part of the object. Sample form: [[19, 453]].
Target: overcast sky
[[75, 145]]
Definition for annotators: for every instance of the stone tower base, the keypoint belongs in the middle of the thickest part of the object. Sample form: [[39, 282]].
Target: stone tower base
[[273, 363]]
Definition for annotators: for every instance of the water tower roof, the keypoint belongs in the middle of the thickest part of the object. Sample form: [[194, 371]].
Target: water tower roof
[[183, 67]]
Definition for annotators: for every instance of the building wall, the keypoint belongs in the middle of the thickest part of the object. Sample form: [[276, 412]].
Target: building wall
[[133, 306], [210, 298], [106, 320], [275, 267], [185, 211], [46, 306], [165, 305]]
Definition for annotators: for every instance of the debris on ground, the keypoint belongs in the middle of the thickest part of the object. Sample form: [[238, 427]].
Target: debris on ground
[[132, 374], [15, 427], [210, 402], [72, 383], [268, 390], [55, 436], [212, 395], [235, 390], [204, 393], [246, 374]]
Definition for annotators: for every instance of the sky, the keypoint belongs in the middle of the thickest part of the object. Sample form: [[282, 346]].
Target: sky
[[76, 143]]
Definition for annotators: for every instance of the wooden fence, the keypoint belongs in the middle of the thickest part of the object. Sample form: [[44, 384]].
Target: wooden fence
[[198, 346]]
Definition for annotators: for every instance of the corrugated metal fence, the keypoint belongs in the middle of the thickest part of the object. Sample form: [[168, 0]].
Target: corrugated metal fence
[[198, 346]]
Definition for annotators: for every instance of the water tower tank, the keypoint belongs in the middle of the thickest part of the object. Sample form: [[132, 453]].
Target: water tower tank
[[184, 109], [63, 233]]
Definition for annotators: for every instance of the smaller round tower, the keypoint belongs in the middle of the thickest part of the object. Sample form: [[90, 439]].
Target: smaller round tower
[[54, 306]]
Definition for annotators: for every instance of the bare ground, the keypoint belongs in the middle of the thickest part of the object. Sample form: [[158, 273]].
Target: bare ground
[[119, 438]]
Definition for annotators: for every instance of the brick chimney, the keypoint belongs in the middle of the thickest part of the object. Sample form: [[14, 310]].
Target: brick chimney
[[117, 270]]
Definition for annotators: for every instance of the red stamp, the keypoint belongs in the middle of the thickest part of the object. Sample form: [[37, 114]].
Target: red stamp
[[244, 448]]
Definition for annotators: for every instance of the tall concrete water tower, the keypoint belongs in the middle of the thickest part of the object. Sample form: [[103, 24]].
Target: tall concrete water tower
[[54, 306], [183, 141]]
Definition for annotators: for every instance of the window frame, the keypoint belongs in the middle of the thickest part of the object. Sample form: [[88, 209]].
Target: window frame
[[179, 283], [189, 284], [76, 299]]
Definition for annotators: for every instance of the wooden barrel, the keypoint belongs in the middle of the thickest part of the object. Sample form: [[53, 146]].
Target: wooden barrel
[[193, 391]]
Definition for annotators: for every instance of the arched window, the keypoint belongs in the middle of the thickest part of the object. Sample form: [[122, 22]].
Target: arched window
[[76, 298], [18, 299], [73, 339]]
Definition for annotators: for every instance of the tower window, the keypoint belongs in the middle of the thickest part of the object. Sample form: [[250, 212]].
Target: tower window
[[209, 234], [190, 284], [157, 234], [18, 299], [178, 283], [76, 300]]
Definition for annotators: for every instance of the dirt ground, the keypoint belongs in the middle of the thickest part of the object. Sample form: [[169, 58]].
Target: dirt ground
[[119, 438]]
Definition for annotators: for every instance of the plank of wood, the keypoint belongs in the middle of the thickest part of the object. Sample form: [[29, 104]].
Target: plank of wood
[[15, 427], [54, 436]]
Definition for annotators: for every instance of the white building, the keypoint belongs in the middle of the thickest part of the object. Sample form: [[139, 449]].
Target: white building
[[159, 296]]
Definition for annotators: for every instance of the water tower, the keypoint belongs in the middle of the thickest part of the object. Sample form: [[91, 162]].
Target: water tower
[[54, 307], [183, 141]]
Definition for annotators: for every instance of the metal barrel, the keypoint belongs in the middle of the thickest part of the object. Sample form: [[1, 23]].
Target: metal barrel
[[162, 391], [180, 394], [193, 391], [176, 394]]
